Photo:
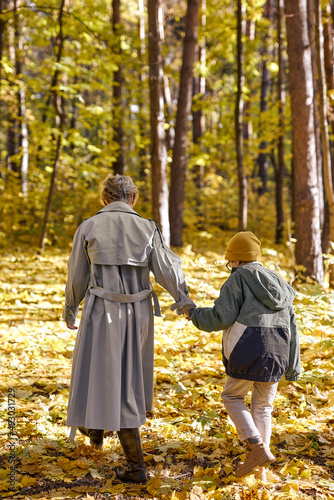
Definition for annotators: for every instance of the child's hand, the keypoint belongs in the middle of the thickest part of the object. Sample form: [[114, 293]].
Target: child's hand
[[71, 327], [186, 314]]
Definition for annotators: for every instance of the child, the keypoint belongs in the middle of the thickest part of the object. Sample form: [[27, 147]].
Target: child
[[260, 343]]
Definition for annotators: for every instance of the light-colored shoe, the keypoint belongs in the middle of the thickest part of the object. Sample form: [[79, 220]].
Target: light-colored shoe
[[259, 455]]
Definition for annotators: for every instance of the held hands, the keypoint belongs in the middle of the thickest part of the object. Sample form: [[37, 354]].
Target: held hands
[[186, 314]]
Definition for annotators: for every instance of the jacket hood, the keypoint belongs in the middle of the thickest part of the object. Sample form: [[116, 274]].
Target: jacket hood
[[267, 286]]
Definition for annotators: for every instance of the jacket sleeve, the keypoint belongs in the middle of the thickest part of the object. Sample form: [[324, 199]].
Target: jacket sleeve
[[293, 370], [166, 267], [225, 310], [77, 279]]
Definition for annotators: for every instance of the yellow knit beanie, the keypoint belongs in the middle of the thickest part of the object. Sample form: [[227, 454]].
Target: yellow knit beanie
[[243, 246]]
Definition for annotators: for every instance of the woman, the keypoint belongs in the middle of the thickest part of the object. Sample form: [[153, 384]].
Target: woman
[[112, 374]]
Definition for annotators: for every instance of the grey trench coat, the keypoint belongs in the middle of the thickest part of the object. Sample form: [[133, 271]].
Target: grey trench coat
[[112, 372]]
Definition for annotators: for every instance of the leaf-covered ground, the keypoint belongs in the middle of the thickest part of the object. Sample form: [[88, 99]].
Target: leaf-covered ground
[[191, 447]]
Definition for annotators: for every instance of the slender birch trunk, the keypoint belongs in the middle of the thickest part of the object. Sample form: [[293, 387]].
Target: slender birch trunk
[[160, 211], [326, 157], [242, 179], [21, 98]]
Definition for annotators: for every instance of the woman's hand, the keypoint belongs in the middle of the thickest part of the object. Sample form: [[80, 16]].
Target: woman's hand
[[71, 327]]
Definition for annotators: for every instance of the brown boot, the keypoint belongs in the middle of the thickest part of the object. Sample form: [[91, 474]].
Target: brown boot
[[135, 471], [95, 436], [259, 455]]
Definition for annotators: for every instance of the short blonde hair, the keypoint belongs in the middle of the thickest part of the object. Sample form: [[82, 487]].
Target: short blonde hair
[[118, 188]]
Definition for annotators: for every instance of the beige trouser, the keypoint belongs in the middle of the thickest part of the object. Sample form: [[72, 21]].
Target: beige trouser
[[257, 421]]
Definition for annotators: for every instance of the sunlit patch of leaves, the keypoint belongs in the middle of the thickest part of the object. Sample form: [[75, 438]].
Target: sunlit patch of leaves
[[191, 446]]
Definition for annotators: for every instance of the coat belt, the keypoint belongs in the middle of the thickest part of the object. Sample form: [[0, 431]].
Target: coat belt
[[126, 298]]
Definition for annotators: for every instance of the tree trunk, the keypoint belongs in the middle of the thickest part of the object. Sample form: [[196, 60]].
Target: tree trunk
[[280, 169], [170, 130], [21, 98], [157, 121], [329, 68], [242, 179], [59, 124], [2, 30], [324, 128], [265, 86], [118, 164], [247, 122], [60, 119], [178, 166], [199, 121], [306, 191], [12, 129], [141, 97], [54, 79], [322, 213]]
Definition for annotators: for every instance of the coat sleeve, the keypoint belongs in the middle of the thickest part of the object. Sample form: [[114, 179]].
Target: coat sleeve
[[293, 370], [78, 278], [166, 267], [225, 310]]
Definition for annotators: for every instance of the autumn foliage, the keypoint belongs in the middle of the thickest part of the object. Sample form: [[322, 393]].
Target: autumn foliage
[[190, 445]]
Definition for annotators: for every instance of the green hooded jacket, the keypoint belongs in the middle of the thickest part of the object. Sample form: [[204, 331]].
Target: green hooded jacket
[[260, 340]]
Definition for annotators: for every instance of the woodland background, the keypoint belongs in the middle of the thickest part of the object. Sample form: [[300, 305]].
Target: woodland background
[[222, 112]]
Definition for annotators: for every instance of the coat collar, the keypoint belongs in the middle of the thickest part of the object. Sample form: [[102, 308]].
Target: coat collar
[[117, 206]]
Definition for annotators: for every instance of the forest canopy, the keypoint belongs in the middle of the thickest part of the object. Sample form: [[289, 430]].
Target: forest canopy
[[200, 102]]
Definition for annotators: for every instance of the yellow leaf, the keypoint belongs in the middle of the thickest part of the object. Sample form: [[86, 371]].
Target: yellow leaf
[[306, 474], [65, 463], [28, 481], [197, 493], [82, 464], [189, 455], [96, 474], [250, 481], [153, 485], [118, 488], [4, 473], [294, 485], [82, 488], [52, 470], [290, 487], [265, 495], [4, 486], [228, 469], [179, 495]]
